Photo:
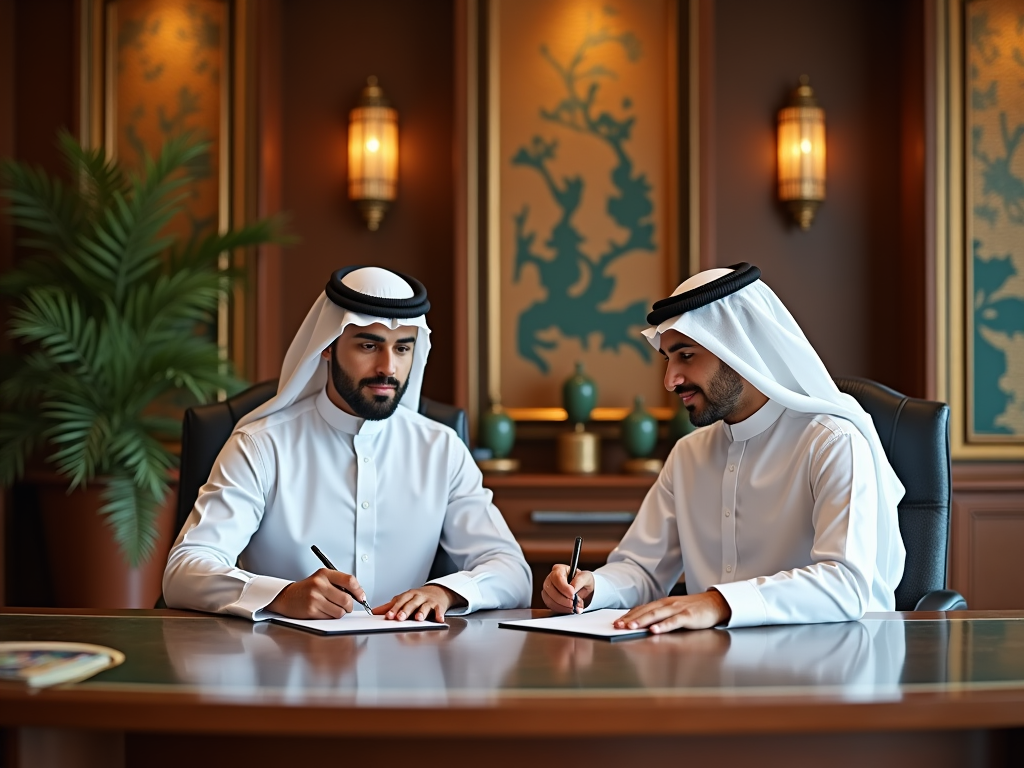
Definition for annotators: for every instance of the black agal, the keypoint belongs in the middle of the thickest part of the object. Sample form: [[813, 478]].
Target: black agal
[[375, 306], [743, 274]]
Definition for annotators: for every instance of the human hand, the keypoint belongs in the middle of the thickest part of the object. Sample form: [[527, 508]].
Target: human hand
[[320, 596], [688, 612], [418, 603], [557, 593]]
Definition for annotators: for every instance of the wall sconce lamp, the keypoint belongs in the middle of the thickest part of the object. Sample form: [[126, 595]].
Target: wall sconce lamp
[[372, 153], [802, 154]]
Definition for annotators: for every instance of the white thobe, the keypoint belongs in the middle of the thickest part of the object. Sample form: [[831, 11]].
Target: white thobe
[[778, 513], [377, 497]]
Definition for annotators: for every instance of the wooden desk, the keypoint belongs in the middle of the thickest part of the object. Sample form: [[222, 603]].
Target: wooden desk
[[197, 690]]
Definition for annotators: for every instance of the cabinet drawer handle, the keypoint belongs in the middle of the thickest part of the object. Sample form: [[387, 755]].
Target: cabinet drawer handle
[[581, 517]]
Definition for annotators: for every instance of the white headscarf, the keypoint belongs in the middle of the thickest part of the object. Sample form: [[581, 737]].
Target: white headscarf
[[755, 335], [304, 371]]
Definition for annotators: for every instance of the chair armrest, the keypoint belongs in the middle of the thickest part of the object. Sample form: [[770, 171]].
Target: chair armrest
[[941, 600]]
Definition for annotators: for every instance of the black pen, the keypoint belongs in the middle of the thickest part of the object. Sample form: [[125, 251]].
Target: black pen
[[573, 565], [327, 564]]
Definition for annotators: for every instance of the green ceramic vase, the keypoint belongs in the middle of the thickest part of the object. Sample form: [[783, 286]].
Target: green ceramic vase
[[639, 431], [497, 432], [680, 425], [579, 394]]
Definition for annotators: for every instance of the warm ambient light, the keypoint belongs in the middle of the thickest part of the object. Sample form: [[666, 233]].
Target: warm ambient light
[[372, 153], [802, 155]]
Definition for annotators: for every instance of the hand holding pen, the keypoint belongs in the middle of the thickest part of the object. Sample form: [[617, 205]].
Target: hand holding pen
[[327, 564], [574, 565], [560, 594], [326, 594]]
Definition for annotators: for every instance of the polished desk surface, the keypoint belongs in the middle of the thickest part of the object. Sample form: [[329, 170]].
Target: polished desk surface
[[196, 672]]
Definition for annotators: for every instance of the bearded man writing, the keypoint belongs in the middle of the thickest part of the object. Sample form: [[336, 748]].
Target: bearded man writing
[[780, 508], [341, 458]]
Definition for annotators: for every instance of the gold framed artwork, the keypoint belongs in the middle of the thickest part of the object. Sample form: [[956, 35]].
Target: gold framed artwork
[[582, 199], [153, 69], [980, 226]]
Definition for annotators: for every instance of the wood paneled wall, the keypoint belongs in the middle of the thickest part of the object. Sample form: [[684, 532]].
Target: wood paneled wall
[[328, 50], [844, 280]]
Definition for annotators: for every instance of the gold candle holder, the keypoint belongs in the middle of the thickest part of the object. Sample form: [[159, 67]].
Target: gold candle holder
[[579, 452]]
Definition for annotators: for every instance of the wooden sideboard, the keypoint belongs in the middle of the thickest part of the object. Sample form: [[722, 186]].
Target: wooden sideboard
[[987, 534], [547, 512]]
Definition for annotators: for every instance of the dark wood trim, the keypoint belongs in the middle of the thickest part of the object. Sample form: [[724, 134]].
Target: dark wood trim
[[465, 12], [106, 706], [6, 121], [929, 22], [269, 348], [134, 613], [908, 369], [706, 128], [641, 482], [988, 476], [6, 233]]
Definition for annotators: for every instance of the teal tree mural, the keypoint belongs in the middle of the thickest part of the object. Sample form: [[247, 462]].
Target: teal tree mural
[[572, 311], [997, 128]]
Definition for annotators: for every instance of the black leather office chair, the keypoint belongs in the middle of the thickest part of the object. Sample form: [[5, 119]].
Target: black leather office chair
[[206, 428], [915, 438]]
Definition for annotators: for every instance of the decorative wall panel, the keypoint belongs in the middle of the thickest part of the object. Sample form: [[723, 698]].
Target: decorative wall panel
[[582, 187]]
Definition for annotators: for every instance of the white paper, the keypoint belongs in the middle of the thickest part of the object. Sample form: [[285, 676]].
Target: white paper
[[593, 624], [357, 623]]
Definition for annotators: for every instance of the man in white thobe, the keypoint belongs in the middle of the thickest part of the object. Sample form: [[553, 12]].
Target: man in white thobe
[[341, 459], [780, 508]]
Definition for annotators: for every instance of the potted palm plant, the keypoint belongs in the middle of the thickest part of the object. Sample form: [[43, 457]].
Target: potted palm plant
[[109, 313]]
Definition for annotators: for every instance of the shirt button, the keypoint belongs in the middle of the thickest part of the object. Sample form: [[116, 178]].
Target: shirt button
[[366, 505], [727, 513], [365, 558], [732, 467], [366, 460], [728, 568]]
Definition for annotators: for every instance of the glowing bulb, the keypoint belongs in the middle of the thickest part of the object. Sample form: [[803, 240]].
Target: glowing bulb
[[372, 144], [805, 146]]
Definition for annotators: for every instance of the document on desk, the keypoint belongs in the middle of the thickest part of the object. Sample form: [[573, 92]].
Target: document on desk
[[356, 624], [595, 624]]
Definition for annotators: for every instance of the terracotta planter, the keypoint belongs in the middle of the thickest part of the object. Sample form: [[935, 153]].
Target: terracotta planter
[[89, 570]]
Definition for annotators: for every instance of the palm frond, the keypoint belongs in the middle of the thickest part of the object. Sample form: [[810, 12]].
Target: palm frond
[[81, 432], [43, 205], [112, 307], [19, 433], [56, 321], [132, 511], [207, 251], [141, 453], [99, 178]]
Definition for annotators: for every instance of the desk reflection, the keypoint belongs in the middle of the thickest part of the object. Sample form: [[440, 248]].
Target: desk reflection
[[857, 658], [239, 658]]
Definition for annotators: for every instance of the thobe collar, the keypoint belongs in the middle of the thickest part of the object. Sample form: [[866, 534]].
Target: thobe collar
[[345, 422], [754, 425]]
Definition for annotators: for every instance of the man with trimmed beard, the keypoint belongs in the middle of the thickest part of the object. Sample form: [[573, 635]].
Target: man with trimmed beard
[[781, 509], [342, 459]]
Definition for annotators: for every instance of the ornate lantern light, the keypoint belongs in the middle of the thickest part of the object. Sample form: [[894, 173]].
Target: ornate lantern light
[[802, 154], [372, 153]]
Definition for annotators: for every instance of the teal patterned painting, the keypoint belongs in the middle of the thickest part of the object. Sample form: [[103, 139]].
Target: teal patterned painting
[[585, 127], [995, 217]]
